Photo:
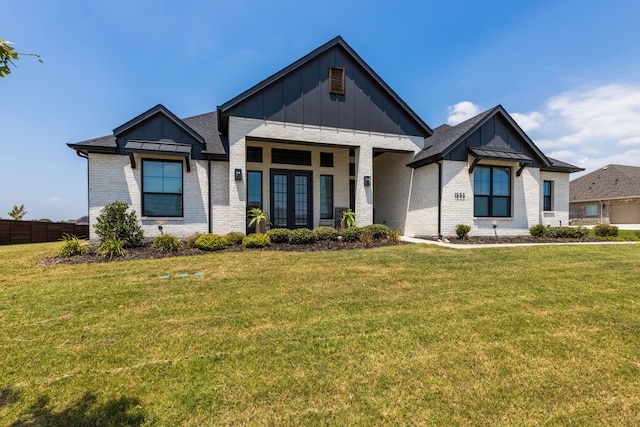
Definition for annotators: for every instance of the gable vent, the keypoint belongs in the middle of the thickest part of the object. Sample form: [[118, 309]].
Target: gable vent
[[336, 80]]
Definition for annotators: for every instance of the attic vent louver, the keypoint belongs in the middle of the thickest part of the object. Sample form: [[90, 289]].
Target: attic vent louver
[[336, 80]]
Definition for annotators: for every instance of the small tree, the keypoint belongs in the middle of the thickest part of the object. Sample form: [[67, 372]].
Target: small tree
[[114, 222], [260, 218], [17, 213]]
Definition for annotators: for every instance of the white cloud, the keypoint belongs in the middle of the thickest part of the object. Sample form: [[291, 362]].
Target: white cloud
[[54, 199], [589, 128], [529, 121], [461, 111]]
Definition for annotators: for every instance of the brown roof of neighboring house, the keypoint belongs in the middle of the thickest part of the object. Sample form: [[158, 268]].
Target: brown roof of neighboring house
[[609, 182]]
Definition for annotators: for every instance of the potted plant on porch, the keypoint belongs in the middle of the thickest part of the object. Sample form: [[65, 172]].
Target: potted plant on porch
[[260, 218]]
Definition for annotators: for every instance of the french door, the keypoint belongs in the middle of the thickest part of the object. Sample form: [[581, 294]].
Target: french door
[[291, 199]]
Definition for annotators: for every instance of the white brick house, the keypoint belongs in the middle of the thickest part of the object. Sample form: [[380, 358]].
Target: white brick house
[[323, 135]]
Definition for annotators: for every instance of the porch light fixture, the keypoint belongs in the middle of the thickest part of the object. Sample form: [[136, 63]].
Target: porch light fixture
[[238, 174], [367, 181]]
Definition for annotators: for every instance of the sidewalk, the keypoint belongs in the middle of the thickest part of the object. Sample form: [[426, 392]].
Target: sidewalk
[[504, 245]]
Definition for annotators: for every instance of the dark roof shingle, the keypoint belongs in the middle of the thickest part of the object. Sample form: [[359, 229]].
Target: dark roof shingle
[[609, 182]]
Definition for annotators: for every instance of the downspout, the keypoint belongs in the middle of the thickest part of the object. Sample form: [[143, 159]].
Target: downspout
[[439, 199], [209, 196]]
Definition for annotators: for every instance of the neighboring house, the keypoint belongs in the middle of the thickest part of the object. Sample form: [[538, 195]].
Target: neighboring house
[[320, 136], [609, 195]]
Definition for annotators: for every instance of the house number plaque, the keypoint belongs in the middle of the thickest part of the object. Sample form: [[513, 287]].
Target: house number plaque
[[460, 196]]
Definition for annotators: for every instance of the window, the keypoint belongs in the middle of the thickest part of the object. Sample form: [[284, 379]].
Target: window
[[291, 157], [254, 154], [326, 160], [547, 197], [591, 210], [336, 80], [492, 191], [161, 188], [326, 196], [254, 195]]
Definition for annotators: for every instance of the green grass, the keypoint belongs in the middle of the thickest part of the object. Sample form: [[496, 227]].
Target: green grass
[[623, 236], [403, 335]]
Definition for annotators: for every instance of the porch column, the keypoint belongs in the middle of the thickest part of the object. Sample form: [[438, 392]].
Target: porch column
[[364, 193], [237, 187]]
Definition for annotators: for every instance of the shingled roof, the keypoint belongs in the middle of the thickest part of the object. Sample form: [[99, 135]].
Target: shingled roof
[[609, 182]]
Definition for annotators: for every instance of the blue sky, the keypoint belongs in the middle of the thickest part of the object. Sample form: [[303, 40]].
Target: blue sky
[[568, 71]]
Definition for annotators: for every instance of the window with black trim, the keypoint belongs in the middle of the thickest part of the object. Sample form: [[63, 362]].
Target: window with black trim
[[547, 195], [162, 188], [326, 160], [290, 157], [326, 196], [492, 191], [254, 154]]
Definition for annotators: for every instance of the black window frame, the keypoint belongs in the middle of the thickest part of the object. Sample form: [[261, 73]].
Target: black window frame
[[326, 160], [254, 154], [251, 205], [491, 197], [144, 193], [547, 199], [330, 197], [283, 156]]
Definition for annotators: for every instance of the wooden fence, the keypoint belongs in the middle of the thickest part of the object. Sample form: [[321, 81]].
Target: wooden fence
[[14, 232]]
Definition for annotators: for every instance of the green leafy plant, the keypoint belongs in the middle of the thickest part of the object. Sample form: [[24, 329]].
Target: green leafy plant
[[537, 230], [111, 247], [71, 246], [605, 230], [395, 236], [279, 235], [462, 231], [191, 240], [260, 218], [235, 237], [348, 218], [566, 232], [17, 213], [211, 242], [166, 243], [114, 222], [302, 236], [326, 233], [256, 241], [377, 231], [351, 234]]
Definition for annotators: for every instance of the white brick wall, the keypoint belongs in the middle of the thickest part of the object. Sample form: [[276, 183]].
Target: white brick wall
[[422, 213], [392, 187], [560, 214], [111, 178]]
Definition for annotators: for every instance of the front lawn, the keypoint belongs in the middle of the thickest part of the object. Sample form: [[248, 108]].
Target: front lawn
[[401, 335]]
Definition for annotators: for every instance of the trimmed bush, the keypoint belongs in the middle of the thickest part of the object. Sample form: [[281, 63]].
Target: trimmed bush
[[71, 246], [279, 235], [462, 231], [377, 231], [394, 236], [255, 241], [566, 232], [326, 233], [112, 247], [211, 242], [351, 234], [235, 237], [166, 243], [537, 230], [114, 222], [605, 230], [302, 236], [191, 240]]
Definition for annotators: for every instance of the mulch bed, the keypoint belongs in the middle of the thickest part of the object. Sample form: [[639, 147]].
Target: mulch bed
[[146, 252]]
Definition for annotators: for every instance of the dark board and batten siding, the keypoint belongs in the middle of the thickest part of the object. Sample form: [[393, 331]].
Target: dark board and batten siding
[[495, 133], [303, 96]]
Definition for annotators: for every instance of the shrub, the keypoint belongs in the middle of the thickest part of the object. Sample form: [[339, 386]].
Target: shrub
[[211, 242], [349, 218], [351, 234], [111, 247], [377, 231], [326, 233], [71, 246], [605, 230], [279, 235], [256, 241], [394, 236], [302, 236], [191, 240], [365, 238], [566, 232], [462, 231], [537, 230], [114, 222], [166, 243], [234, 237]]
